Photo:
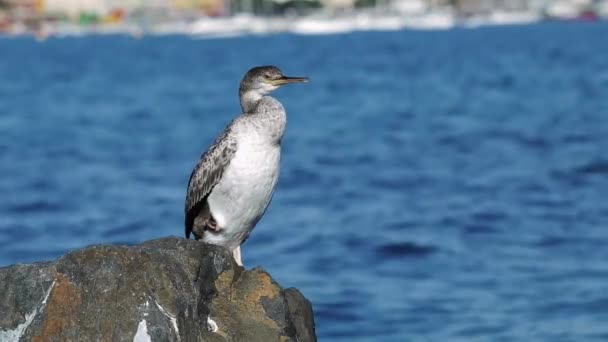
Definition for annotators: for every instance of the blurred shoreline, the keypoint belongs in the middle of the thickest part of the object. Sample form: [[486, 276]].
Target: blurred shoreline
[[30, 20]]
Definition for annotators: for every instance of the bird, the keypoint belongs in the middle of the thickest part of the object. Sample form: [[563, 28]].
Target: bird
[[234, 180]]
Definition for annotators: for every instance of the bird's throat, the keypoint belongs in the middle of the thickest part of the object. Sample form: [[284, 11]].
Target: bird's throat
[[250, 99]]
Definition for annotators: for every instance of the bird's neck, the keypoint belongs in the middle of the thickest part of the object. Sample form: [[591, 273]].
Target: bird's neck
[[269, 118], [250, 99]]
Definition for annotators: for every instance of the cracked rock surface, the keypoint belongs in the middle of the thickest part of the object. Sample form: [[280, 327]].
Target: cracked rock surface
[[169, 289]]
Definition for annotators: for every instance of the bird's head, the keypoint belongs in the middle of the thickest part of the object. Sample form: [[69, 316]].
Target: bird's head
[[263, 80]]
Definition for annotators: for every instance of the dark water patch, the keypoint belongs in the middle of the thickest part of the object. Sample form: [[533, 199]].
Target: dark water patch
[[596, 167], [141, 114], [460, 143], [343, 160], [124, 229], [80, 230], [416, 274], [19, 231], [498, 82], [325, 263], [553, 241], [401, 225], [548, 203], [162, 201], [409, 153], [303, 244], [122, 243], [489, 216], [268, 239], [398, 182], [569, 305], [299, 176], [568, 178], [339, 311], [482, 330], [405, 250], [355, 242], [43, 184], [581, 175], [356, 194], [29, 255], [517, 137], [568, 275], [479, 228], [558, 216], [37, 206], [449, 221], [596, 336]]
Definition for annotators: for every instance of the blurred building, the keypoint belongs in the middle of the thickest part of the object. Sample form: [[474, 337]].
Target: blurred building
[[208, 7], [74, 8], [18, 16], [468, 7], [101, 8], [566, 8], [337, 4]]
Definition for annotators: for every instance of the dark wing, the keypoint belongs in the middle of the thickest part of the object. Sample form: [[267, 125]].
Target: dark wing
[[207, 174]]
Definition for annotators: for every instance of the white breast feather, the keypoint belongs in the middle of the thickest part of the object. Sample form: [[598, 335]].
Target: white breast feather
[[240, 199]]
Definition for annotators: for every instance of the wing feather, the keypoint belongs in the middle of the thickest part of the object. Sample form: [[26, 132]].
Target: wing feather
[[207, 174]]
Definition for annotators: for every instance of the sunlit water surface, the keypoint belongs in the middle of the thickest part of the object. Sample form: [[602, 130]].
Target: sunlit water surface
[[435, 186]]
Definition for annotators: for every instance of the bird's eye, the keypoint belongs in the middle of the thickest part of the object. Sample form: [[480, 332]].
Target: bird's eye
[[267, 76]]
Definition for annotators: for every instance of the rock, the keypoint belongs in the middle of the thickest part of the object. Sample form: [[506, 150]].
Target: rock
[[169, 289]]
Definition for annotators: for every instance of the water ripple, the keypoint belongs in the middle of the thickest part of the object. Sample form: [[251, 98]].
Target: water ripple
[[453, 191], [405, 250]]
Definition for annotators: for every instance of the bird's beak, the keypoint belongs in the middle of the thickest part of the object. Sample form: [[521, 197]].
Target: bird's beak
[[286, 80]]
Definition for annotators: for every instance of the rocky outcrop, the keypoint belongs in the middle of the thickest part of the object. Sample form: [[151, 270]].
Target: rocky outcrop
[[163, 290]]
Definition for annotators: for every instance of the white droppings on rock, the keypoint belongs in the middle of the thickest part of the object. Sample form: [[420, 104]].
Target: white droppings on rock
[[14, 335], [48, 293], [211, 325], [147, 306], [142, 332], [170, 317]]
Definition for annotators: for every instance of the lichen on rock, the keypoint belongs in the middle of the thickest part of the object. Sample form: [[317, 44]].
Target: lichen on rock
[[169, 289]]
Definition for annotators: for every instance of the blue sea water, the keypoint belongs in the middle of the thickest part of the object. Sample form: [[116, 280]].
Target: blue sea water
[[435, 186]]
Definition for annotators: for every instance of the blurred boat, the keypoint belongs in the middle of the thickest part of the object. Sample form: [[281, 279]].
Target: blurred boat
[[368, 21], [431, 20], [602, 9], [565, 9], [226, 26], [415, 15], [240, 24], [323, 24], [502, 18]]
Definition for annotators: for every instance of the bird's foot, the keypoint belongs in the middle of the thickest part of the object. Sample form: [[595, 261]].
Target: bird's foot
[[211, 225], [236, 253]]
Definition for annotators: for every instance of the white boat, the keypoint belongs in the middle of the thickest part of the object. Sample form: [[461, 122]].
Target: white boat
[[565, 9], [502, 18], [602, 8], [431, 21], [322, 24]]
